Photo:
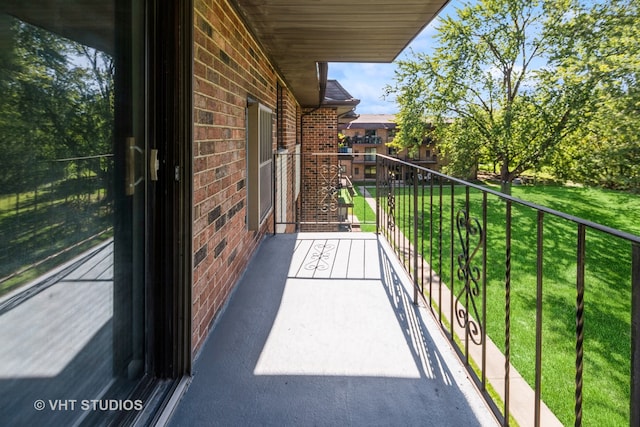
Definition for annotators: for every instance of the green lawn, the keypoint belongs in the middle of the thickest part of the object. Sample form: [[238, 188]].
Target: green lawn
[[363, 211], [607, 297], [40, 231]]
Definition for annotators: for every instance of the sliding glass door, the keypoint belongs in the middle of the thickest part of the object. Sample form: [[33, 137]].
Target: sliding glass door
[[73, 171]]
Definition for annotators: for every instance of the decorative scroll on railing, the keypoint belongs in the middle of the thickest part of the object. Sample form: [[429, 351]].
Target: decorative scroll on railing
[[488, 296], [469, 275], [391, 211], [327, 189]]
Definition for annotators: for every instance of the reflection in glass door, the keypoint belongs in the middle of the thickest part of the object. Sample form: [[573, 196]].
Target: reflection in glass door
[[72, 209]]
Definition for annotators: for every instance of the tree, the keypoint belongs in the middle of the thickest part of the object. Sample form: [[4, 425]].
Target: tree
[[495, 73], [606, 150], [57, 103]]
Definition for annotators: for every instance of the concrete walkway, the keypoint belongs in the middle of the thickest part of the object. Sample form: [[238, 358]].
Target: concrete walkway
[[322, 331]]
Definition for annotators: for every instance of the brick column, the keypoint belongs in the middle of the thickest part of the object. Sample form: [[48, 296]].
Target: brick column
[[320, 175]]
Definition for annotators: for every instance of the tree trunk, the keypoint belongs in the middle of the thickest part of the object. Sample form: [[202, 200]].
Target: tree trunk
[[505, 187], [505, 178]]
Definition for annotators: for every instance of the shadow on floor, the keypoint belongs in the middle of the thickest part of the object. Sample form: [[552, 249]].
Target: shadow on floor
[[308, 351]]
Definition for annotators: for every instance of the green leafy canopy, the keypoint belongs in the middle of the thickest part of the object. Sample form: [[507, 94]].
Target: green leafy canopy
[[510, 82]]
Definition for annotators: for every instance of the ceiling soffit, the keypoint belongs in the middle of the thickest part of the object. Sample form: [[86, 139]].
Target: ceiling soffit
[[297, 34]]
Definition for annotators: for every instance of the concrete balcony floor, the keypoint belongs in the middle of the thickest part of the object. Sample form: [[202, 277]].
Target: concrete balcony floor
[[321, 330]]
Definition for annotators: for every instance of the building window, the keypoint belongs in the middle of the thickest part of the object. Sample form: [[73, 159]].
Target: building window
[[370, 154], [370, 172], [260, 164]]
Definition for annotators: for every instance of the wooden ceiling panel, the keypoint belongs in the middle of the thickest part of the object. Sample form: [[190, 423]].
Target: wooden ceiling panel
[[297, 34]]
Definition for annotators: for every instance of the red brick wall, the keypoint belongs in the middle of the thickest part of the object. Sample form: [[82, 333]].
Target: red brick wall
[[228, 67]]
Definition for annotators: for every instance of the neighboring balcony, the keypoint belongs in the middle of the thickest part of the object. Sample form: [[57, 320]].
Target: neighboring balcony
[[364, 158], [419, 159], [366, 140]]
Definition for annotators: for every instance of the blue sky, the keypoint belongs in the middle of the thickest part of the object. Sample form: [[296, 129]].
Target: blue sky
[[366, 81]]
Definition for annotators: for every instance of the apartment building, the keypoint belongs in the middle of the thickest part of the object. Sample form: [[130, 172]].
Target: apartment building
[[370, 134]]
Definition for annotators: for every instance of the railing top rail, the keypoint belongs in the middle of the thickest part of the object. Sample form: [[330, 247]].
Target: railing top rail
[[99, 156], [593, 225], [635, 239]]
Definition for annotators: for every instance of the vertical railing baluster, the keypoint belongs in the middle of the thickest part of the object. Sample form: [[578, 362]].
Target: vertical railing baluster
[[396, 207], [415, 237], [635, 335], [384, 201], [422, 255], [452, 221], [406, 204], [407, 194], [397, 210], [467, 256], [440, 241], [386, 189], [316, 186], [399, 200], [274, 192], [579, 321], [379, 172], [539, 277], [507, 317], [431, 241], [484, 291]]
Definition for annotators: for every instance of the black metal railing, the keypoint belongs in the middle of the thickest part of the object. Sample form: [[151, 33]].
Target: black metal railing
[[476, 256], [365, 139], [51, 212], [521, 290], [332, 198]]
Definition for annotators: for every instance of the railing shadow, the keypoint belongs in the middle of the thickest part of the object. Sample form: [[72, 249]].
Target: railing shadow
[[513, 280], [254, 367], [409, 318]]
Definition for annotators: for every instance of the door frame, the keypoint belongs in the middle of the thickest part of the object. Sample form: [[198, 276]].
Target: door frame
[[170, 127]]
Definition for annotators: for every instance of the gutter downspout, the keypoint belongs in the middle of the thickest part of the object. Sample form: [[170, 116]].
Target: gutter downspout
[[323, 72]]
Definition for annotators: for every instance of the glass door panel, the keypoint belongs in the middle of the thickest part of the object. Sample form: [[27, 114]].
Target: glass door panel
[[72, 208]]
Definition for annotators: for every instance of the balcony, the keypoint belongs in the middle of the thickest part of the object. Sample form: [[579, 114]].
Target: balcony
[[322, 330], [374, 328], [540, 287], [368, 158], [417, 159], [43, 355], [366, 139]]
